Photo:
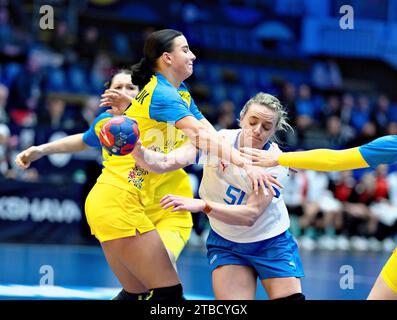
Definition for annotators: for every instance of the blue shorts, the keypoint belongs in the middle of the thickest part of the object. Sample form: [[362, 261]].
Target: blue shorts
[[277, 257]]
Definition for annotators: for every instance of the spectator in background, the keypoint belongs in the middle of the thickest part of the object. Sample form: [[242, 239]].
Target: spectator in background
[[381, 114], [90, 111], [226, 116], [304, 104], [322, 213], [335, 75], [7, 169], [367, 134], [101, 70], [56, 117], [355, 212], [288, 98], [332, 108], [391, 128], [338, 135], [295, 192], [3, 102], [305, 111], [385, 211], [361, 113], [381, 184], [320, 75], [347, 108], [13, 40], [63, 40], [326, 75], [27, 92], [89, 44], [392, 183], [4, 138]]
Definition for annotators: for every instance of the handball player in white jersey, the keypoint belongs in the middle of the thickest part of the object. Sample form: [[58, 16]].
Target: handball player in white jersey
[[249, 235]]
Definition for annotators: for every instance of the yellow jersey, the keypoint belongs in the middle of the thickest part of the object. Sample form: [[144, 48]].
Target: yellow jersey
[[156, 109]]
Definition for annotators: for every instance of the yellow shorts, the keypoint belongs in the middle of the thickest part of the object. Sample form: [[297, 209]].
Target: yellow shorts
[[114, 213], [389, 271]]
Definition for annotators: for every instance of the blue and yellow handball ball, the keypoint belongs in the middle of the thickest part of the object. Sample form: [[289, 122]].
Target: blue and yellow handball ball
[[119, 135]]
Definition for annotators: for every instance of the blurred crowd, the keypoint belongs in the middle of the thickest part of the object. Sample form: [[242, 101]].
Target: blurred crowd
[[54, 79]]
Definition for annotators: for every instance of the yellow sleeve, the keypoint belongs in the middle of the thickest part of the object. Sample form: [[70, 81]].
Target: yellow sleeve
[[324, 159]]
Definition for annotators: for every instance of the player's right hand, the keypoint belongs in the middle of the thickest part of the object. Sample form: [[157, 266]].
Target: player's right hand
[[261, 179], [26, 157], [117, 100]]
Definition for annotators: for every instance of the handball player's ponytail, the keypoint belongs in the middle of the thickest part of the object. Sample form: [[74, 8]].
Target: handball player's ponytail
[[156, 43]]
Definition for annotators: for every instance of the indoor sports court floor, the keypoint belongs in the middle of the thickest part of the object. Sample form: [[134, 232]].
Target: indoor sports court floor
[[81, 272]]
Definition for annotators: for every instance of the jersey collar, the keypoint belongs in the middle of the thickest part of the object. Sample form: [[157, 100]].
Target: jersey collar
[[162, 78]]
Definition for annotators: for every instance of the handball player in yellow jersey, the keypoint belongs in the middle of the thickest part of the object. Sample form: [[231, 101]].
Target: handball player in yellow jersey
[[120, 92]]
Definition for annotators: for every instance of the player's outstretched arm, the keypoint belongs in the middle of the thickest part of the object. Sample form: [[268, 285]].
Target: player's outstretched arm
[[317, 159], [243, 215], [159, 162], [73, 143]]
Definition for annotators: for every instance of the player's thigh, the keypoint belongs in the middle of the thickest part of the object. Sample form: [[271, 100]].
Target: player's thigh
[[382, 291], [145, 256], [127, 279], [281, 287], [234, 282], [385, 287]]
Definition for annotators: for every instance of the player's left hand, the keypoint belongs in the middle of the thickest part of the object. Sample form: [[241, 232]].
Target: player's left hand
[[182, 203], [117, 100]]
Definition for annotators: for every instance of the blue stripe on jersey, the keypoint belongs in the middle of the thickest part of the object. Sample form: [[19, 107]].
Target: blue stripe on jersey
[[89, 137], [380, 151], [267, 146], [168, 106]]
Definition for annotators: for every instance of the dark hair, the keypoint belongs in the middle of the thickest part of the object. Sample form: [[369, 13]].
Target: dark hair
[[108, 83], [157, 43]]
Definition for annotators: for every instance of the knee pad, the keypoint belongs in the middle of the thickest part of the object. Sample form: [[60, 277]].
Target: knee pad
[[295, 296], [173, 293], [127, 296]]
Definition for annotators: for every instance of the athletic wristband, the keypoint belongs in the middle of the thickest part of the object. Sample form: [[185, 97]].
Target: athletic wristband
[[207, 209]]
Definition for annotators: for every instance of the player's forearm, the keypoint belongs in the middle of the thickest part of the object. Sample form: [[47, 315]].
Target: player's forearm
[[242, 215], [159, 162], [203, 136], [150, 160], [324, 159], [73, 143]]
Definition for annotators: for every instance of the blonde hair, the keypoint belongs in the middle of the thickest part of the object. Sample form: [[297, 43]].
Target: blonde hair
[[271, 102]]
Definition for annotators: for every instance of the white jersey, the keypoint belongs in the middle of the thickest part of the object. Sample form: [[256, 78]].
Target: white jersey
[[229, 184]]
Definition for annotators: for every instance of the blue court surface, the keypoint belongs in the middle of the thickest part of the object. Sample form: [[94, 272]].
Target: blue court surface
[[81, 272]]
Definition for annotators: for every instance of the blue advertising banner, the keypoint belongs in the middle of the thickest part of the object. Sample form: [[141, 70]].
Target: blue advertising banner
[[43, 212]]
